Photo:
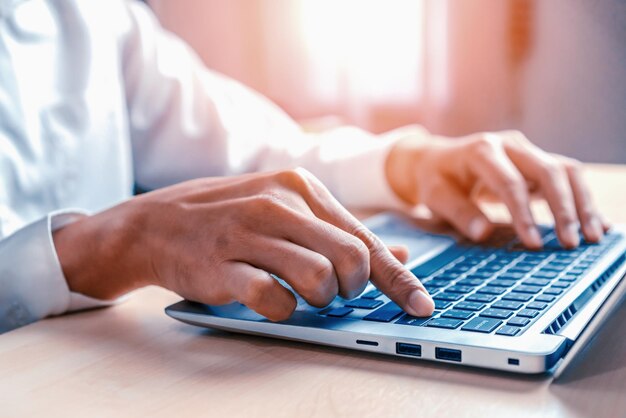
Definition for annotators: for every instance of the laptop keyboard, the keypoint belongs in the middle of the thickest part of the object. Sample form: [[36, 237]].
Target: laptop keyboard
[[499, 288]]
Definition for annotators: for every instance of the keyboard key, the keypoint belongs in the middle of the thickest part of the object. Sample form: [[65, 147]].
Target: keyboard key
[[469, 262], [447, 277], [527, 313], [541, 274], [521, 269], [492, 290], [527, 289], [561, 284], [432, 290], [552, 267], [524, 265], [490, 269], [553, 291], [444, 323], [448, 296], [520, 297], [518, 321], [483, 298], [459, 268], [538, 306], [470, 282], [545, 298], [364, 303], [469, 306], [338, 312], [412, 320], [508, 331], [512, 276], [460, 289], [496, 313], [457, 314], [372, 294], [387, 313], [441, 304], [502, 283], [536, 282], [439, 261], [480, 324], [437, 283], [479, 275], [507, 304]]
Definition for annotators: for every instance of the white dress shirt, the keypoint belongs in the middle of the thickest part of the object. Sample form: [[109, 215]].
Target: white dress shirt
[[94, 97]]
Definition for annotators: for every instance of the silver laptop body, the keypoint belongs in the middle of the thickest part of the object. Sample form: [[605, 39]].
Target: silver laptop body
[[590, 287]]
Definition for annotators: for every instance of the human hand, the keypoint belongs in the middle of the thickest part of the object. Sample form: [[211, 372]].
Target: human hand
[[447, 174], [216, 240]]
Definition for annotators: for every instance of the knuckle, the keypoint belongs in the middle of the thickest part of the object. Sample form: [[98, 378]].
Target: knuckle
[[354, 253], [322, 272], [366, 236], [565, 215], [267, 202], [354, 267], [514, 184], [517, 136], [320, 288], [486, 143], [572, 165], [586, 213], [294, 178], [551, 168]]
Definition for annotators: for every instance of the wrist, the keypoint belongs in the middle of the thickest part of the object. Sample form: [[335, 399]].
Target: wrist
[[96, 255]]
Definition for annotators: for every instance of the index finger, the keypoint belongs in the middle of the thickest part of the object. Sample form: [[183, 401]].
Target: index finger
[[497, 171], [387, 273]]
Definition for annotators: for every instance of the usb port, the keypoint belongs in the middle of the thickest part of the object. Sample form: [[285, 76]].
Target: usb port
[[414, 350], [447, 354]]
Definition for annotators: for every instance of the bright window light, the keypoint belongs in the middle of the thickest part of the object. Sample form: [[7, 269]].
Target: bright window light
[[370, 49]]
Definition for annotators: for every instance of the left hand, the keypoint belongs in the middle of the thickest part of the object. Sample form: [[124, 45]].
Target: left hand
[[445, 175]]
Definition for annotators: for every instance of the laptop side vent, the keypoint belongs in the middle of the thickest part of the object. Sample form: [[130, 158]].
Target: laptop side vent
[[560, 321]]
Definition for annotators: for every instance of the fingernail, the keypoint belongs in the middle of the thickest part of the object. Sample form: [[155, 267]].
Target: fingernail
[[477, 228], [572, 234], [535, 238], [421, 303]]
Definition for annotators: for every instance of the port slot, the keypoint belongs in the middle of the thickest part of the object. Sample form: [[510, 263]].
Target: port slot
[[514, 361], [447, 354], [414, 350], [365, 342]]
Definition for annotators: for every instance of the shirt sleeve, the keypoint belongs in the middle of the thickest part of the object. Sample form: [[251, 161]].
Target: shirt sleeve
[[187, 121], [32, 284]]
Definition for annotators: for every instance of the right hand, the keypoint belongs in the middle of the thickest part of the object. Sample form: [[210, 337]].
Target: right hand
[[216, 240]]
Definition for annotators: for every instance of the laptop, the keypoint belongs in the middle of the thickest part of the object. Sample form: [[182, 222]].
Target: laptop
[[497, 305]]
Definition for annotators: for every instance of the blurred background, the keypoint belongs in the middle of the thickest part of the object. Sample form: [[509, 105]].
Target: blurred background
[[554, 69]]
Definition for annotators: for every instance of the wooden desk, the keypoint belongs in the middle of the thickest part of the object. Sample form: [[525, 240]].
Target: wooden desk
[[132, 360]]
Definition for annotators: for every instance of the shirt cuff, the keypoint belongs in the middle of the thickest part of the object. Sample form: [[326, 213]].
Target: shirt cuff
[[360, 178], [32, 279]]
